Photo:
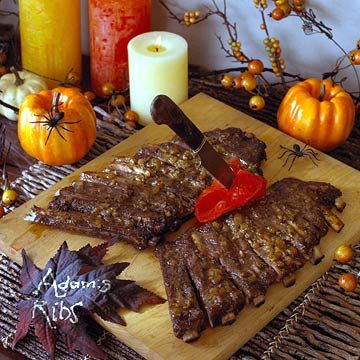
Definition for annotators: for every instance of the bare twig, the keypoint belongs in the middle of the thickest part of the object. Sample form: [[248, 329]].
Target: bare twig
[[310, 22], [311, 25]]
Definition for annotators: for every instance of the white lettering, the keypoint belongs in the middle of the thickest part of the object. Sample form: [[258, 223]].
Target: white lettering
[[75, 318], [64, 309], [106, 286]]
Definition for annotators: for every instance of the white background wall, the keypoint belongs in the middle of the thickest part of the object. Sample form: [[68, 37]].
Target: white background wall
[[307, 55]]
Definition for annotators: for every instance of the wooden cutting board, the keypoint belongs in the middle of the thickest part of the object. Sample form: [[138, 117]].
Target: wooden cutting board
[[150, 332]]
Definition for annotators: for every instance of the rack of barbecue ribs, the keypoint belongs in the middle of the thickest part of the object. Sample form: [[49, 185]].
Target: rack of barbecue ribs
[[211, 271], [139, 198]]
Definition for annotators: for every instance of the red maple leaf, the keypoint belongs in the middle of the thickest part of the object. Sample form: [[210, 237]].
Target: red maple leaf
[[73, 285]]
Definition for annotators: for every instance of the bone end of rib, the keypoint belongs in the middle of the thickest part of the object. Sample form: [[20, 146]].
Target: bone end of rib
[[334, 222], [259, 300], [190, 335], [340, 204], [289, 280], [30, 217], [228, 319], [316, 256]]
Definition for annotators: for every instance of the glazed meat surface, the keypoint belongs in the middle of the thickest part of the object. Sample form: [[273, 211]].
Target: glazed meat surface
[[139, 198], [219, 296], [236, 258], [187, 317]]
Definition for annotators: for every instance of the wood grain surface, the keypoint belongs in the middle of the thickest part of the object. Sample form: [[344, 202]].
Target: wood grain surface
[[150, 332]]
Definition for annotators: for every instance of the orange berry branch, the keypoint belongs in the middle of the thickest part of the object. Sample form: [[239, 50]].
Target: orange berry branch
[[250, 78]]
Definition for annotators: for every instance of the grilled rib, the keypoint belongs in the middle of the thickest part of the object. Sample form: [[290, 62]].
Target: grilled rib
[[232, 143], [219, 296], [258, 244], [153, 191], [92, 225], [187, 317], [249, 272], [283, 227]]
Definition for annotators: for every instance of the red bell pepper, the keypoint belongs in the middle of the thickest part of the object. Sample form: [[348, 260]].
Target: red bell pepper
[[216, 200]]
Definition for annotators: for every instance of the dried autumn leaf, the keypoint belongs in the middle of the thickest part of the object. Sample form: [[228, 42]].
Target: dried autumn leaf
[[72, 286]]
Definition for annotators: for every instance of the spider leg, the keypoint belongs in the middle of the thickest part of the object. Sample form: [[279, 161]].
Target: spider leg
[[64, 128], [48, 136], [285, 148], [285, 152], [43, 115], [38, 122], [313, 153], [304, 147], [293, 160], [71, 122], [60, 134], [310, 156], [287, 158]]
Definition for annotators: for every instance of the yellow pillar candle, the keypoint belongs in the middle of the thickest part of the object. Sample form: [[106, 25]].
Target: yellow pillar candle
[[158, 64], [50, 32]]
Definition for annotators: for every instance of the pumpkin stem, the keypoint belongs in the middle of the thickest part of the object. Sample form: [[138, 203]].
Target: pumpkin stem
[[18, 80], [55, 102], [322, 91], [56, 115]]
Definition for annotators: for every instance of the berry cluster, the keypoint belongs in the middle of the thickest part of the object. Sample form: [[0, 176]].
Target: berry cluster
[[190, 17], [72, 78], [9, 196], [283, 8], [247, 81], [354, 55], [236, 49], [273, 49], [298, 5], [262, 3], [117, 101], [344, 254]]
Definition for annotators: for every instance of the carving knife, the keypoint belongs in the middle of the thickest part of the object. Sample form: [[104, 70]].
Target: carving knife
[[165, 111]]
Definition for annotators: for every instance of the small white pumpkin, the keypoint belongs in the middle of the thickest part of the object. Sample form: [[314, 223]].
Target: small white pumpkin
[[15, 86]]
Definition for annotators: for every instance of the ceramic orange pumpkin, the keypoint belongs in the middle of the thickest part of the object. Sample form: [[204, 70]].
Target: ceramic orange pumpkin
[[318, 113], [57, 126]]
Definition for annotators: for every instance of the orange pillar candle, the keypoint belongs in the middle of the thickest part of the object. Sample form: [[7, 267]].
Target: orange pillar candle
[[50, 33], [112, 24]]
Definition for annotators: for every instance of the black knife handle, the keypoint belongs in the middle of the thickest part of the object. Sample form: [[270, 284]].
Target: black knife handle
[[165, 111]]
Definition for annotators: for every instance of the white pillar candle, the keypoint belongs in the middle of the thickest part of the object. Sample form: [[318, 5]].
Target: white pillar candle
[[158, 64]]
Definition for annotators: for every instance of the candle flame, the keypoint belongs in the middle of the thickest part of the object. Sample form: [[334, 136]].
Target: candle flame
[[158, 43]]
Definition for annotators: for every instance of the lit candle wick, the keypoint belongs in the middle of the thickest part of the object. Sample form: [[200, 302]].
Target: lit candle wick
[[158, 44]]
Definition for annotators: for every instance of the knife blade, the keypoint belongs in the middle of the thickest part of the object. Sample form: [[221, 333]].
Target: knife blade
[[165, 111]]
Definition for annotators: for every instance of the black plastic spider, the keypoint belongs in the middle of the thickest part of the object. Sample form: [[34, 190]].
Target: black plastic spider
[[298, 152], [53, 118]]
